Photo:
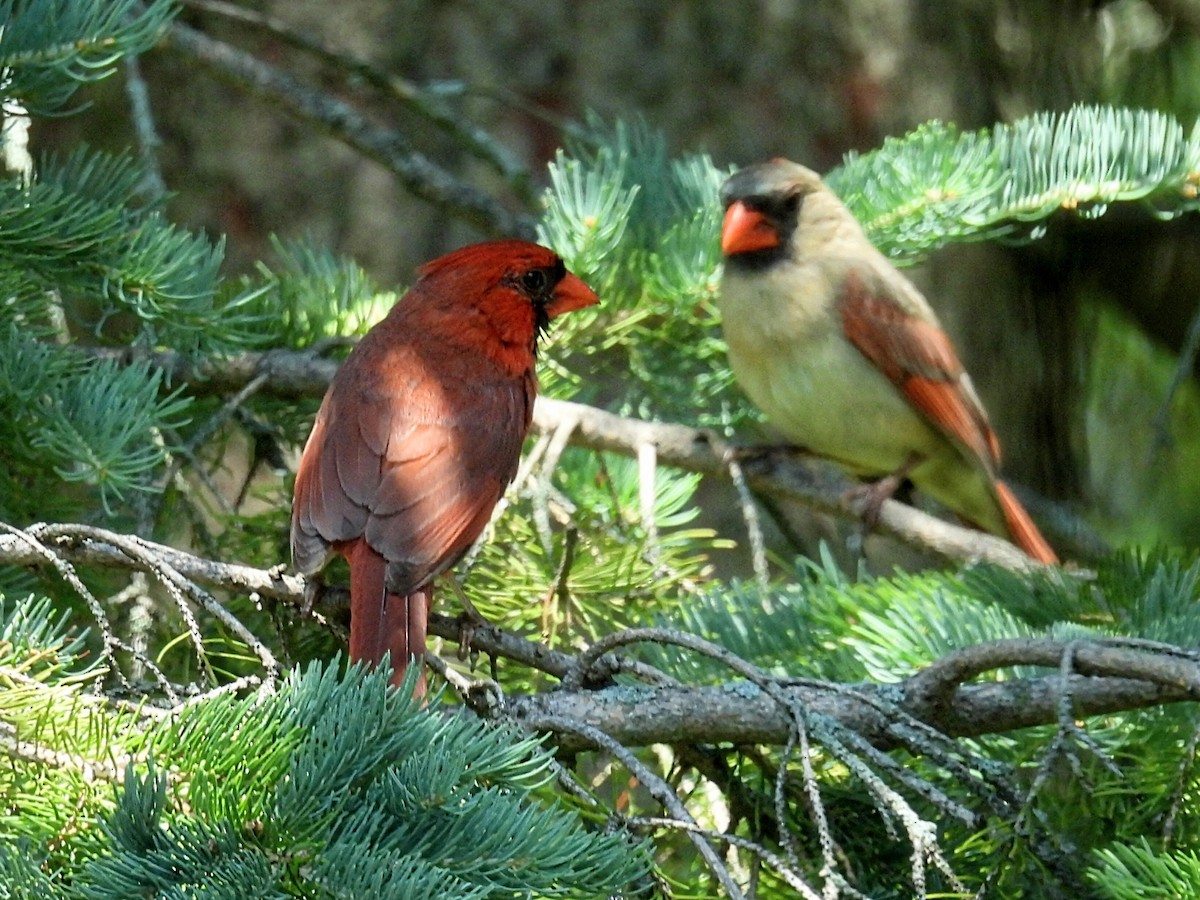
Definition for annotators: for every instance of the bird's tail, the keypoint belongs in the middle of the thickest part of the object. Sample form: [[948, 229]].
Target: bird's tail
[[1021, 528], [382, 622]]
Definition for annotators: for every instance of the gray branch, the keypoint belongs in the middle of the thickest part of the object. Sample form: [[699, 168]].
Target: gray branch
[[388, 147], [777, 473], [1108, 675], [742, 713]]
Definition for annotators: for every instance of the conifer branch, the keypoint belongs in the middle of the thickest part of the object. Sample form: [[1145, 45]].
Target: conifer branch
[[1111, 675], [48, 50], [774, 472]]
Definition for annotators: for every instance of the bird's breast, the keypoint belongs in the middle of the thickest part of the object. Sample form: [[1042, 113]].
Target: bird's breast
[[789, 356]]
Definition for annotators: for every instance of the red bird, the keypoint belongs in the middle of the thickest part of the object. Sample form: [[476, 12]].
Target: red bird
[[421, 431], [846, 357]]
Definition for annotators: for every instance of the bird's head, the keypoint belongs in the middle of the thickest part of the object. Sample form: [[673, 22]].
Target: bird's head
[[501, 294], [764, 206]]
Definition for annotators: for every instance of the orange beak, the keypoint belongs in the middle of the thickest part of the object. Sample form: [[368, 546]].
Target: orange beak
[[746, 230], [570, 294]]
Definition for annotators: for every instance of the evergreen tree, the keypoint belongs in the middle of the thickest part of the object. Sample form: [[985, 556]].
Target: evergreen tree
[[201, 735]]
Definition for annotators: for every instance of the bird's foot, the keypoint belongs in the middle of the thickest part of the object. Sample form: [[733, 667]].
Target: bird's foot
[[871, 497], [469, 620], [483, 695], [313, 588]]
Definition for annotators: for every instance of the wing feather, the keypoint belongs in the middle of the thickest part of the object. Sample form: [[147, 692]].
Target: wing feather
[[917, 356], [414, 471]]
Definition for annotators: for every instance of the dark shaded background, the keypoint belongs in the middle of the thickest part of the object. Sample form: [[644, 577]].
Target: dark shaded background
[[809, 79]]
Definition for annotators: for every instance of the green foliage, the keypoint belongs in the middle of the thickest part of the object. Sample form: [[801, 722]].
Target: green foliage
[[49, 728], [928, 188], [938, 186], [1137, 872], [84, 259], [619, 573], [78, 243], [314, 295], [330, 786], [91, 422], [100, 428], [642, 230], [49, 48], [335, 786], [1143, 453], [1108, 786], [36, 640]]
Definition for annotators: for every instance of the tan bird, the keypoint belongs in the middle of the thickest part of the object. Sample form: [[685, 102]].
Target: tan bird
[[846, 357]]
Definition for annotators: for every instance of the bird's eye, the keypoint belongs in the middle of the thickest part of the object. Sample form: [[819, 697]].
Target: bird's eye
[[534, 281]]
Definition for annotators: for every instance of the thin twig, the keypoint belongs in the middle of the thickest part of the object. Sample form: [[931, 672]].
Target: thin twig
[[647, 460], [110, 770], [1183, 786], [389, 147], [779, 867], [172, 579], [658, 788], [108, 638], [754, 533], [148, 141], [425, 103]]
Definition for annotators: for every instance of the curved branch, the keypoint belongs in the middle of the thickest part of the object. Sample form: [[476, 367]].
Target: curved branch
[[422, 102], [1166, 666], [1116, 675], [388, 147]]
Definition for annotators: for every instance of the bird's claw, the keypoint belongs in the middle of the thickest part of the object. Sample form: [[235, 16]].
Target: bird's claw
[[466, 634], [469, 620], [869, 498], [313, 589]]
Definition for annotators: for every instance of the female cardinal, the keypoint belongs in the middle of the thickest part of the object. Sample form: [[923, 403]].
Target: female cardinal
[[421, 431], [846, 357]]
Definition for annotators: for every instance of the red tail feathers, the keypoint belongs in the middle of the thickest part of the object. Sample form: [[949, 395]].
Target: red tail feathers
[[1021, 528], [382, 622]]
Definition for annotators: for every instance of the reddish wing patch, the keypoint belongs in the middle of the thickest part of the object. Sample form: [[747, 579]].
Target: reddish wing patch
[[416, 471], [919, 359], [943, 403]]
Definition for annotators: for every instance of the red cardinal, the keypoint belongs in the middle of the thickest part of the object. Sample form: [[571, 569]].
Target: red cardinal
[[846, 357], [421, 431]]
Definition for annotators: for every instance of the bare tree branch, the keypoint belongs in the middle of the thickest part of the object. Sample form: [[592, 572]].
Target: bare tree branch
[[742, 713], [1115, 675], [388, 147], [424, 103], [776, 473], [812, 483]]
